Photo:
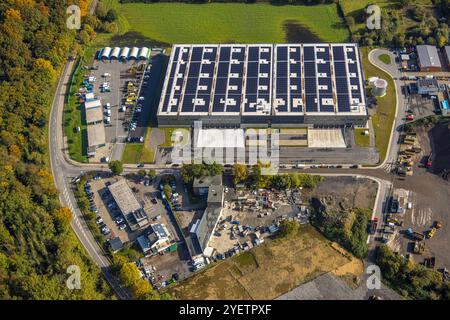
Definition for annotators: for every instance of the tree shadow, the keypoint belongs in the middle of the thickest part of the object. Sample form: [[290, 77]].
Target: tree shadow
[[298, 33], [134, 38]]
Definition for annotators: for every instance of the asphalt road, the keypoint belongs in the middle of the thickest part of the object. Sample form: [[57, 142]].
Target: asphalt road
[[64, 169]]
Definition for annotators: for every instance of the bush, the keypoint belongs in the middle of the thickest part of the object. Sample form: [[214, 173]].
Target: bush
[[116, 167], [289, 228]]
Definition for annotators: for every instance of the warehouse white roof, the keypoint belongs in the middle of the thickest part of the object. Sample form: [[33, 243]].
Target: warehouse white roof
[[220, 138], [96, 135]]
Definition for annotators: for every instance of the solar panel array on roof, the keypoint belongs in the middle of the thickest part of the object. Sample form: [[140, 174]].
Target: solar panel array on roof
[[265, 79]]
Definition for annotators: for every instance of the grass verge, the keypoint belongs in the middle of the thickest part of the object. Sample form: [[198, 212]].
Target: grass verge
[[385, 58], [361, 139], [384, 116], [73, 111]]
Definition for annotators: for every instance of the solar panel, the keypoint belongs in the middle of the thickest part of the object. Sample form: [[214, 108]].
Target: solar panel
[[197, 54], [286, 78], [308, 54], [282, 85], [311, 105], [222, 70], [253, 54], [343, 103], [325, 54], [339, 69], [338, 54], [225, 53], [252, 69], [282, 54], [310, 69], [294, 53]]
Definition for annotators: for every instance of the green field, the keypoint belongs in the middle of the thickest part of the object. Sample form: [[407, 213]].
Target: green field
[[170, 23], [132, 152], [139, 152]]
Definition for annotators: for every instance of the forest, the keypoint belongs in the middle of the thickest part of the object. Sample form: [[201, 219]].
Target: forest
[[37, 244]]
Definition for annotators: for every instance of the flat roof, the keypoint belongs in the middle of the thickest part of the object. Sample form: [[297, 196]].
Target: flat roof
[[207, 225], [207, 181], [124, 197], [263, 80], [220, 138], [215, 195], [428, 56], [96, 135]]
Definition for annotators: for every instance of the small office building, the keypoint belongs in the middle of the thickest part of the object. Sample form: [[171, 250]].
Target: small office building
[[155, 240], [201, 185], [129, 206]]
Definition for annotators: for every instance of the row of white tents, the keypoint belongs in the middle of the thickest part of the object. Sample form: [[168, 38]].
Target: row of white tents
[[124, 53]]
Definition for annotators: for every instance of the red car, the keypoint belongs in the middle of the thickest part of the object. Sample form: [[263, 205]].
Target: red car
[[410, 117]]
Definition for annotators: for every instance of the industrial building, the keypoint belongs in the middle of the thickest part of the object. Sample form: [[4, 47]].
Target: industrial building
[[124, 53], [428, 86], [447, 55], [278, 85], [428, 58], [96, 138], [204, 227], [129, 206], [93, 111]]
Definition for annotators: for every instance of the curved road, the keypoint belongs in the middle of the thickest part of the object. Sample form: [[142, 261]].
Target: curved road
[[64, 169]]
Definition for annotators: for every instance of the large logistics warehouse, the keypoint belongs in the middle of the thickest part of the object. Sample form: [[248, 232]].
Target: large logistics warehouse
[[238, 85]]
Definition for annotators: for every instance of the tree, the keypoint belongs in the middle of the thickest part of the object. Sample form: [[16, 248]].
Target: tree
[[289, 228], [167, 190], [240, 173], [116, 167], [112, 15], [101, 11], [111, 27], [151, 174], [142, 173], [350, 21]]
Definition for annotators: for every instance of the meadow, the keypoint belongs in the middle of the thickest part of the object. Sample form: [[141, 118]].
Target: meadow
[[170, 23], [271, 269]]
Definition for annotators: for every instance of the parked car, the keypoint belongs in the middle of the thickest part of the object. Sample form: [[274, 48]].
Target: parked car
[[122, 226], [119, 220], [99, 220]]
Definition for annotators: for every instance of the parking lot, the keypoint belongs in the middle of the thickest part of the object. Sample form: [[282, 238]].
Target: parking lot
[[111, 216], [116, 74]]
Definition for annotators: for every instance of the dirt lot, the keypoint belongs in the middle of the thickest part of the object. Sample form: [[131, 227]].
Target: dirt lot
[[430, 195], [166, 265], [268, 270], [347, 192]]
